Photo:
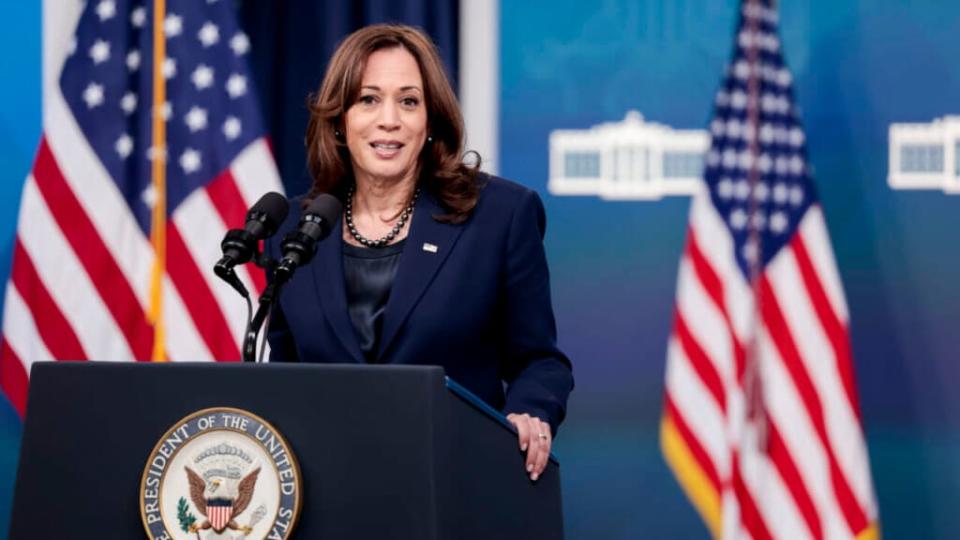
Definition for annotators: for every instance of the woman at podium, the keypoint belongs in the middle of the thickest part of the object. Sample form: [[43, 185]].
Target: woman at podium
[[433, 262]]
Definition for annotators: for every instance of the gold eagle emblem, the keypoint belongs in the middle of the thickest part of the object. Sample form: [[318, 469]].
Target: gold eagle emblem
[[230, 503]]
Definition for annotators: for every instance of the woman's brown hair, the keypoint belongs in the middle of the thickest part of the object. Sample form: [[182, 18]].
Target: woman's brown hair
[[442, 170]]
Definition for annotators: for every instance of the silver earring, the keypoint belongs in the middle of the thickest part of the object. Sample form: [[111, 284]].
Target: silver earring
[[429, 138]]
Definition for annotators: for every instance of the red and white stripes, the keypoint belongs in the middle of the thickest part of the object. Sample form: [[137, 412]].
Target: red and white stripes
[[803, 471], [79, 286]]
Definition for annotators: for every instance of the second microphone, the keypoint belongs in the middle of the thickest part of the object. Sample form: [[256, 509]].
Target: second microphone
[[300, 245]]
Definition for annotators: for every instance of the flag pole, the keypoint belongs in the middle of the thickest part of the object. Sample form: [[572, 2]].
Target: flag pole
[[753, 383], [158, 237]]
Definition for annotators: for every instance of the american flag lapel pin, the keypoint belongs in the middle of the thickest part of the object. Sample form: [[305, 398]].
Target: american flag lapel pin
[[429, 248]]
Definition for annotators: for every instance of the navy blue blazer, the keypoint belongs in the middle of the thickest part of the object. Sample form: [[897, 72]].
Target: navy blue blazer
[[471, 297]]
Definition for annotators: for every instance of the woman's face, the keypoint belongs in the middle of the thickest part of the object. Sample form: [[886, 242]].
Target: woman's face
[[387, 126]]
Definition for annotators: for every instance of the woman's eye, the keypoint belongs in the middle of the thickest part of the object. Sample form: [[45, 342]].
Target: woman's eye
[[367, 100], [410, 102]]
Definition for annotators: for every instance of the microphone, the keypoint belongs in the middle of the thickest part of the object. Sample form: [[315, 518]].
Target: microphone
[[240, 245], [299, 246]]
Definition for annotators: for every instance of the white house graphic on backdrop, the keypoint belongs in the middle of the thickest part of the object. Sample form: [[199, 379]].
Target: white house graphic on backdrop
[[628, 160], [926, 156]]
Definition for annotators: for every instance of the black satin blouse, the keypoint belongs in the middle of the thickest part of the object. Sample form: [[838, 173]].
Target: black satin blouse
[[368, 274]]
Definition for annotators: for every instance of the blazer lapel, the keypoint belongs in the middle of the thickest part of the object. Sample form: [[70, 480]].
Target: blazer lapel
[[427, 247], [328, 278]]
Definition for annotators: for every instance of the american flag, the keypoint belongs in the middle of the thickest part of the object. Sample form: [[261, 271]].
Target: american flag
[[761, 424], [97, 273]]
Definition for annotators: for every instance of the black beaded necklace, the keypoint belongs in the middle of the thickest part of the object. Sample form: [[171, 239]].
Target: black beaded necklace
[[383, 241]]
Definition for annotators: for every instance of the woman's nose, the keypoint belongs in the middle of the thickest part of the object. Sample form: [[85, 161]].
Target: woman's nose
[[389, 117]]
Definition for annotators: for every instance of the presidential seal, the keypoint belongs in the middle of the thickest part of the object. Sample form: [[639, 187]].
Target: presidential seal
[[220, 473]]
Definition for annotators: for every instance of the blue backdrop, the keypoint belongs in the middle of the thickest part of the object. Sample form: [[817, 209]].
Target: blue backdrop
[[859, 66], [20, 127]]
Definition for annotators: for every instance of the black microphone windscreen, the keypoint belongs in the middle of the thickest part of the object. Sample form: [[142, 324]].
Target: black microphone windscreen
[[274, 207], [325, 206]]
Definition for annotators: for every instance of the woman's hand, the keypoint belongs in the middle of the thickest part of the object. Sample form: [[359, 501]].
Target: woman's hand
[[535, 439]]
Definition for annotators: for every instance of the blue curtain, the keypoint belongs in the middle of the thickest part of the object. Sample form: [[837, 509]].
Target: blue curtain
[[291, 43]]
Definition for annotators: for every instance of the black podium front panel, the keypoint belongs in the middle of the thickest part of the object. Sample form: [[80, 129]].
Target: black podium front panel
[[384, 451]]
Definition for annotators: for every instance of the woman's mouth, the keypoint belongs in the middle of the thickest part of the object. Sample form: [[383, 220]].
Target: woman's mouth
[[386, 149]]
